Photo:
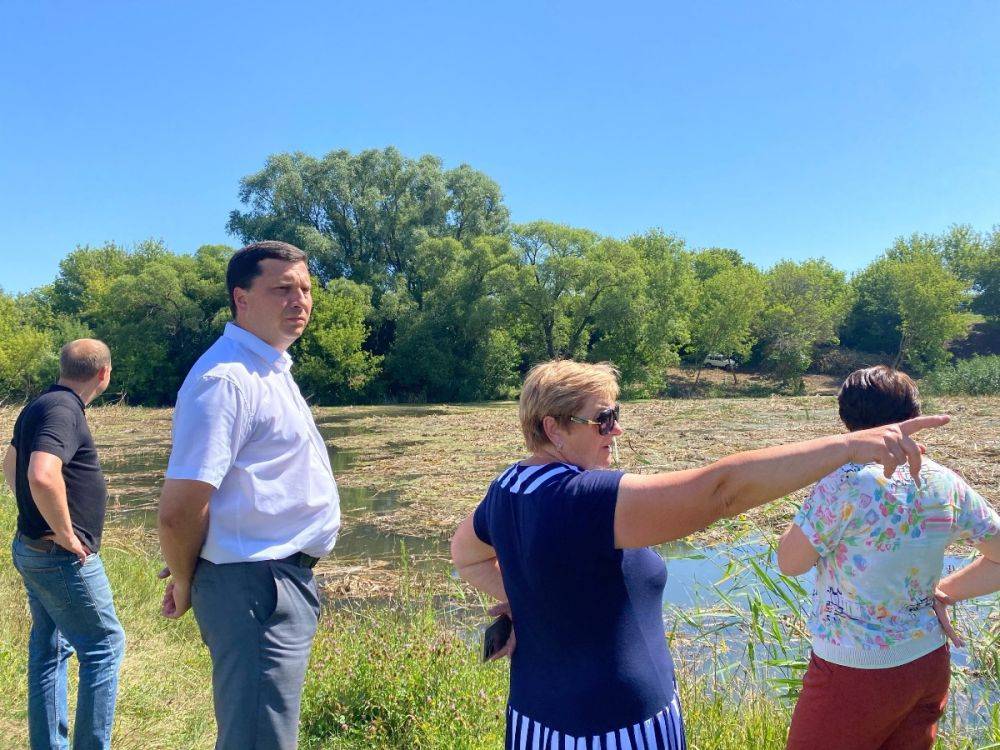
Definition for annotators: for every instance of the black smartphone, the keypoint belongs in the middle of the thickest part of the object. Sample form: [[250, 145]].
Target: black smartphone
[[496, 635]]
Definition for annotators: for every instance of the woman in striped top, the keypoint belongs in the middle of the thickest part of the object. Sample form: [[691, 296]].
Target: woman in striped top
[[564, 543]]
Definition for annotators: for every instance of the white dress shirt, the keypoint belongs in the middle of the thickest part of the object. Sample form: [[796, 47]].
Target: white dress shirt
[[241, 425]]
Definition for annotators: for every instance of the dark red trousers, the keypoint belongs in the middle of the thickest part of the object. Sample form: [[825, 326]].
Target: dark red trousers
[[871, 709]]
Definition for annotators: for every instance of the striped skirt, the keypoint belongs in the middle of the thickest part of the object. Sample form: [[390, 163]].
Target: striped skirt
[[665, 731]]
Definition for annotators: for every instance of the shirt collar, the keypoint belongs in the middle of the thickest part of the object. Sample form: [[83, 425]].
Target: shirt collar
[[280, 361], [57, 387]]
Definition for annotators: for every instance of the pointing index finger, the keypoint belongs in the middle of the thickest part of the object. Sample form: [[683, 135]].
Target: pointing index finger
[[923, 422]]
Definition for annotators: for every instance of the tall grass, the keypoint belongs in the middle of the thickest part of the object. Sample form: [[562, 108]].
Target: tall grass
[[978, 376], [753, 641]]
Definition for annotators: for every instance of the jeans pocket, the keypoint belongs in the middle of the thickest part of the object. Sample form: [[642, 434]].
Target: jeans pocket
[[49, 586]]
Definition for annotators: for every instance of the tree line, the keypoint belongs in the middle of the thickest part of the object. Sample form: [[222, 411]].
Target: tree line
[[424, 289]]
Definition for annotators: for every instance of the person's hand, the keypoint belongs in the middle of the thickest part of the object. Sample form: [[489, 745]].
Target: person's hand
[[72, 544], [176, 596], [891, 445], [941, 603], [503, 608]]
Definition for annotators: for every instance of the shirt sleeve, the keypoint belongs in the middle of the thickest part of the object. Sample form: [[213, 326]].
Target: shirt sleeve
[[211, 424], [975, 520], [583, 514], [481, 520], [58, 433], [824, 513]]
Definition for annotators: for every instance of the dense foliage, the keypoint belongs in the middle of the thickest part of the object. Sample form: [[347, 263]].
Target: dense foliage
[[425, 290], [978, 376]]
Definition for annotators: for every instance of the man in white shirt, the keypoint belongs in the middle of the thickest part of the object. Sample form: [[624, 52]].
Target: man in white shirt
[[250, 503]]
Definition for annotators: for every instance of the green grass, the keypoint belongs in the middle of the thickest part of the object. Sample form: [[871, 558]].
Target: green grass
[[164, 698]]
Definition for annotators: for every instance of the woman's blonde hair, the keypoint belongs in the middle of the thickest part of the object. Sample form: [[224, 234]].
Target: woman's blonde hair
[[560, 388]]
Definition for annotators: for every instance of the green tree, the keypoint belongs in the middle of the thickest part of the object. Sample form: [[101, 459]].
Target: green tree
[[975, 259], [712, 260], [909, 302], [569, 278], [84, 272], [28, 357], [643, 325], [158, 317], [872, 324], [987, 278], [361, 216], [450, 342], [929, 298], [806, 304], [724, 316], [331, 365]]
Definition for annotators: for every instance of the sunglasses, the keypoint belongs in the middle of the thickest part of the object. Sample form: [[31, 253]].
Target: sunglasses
[[605, 421]]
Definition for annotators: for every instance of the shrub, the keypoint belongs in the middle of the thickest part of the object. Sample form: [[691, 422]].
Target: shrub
[[979, 376]]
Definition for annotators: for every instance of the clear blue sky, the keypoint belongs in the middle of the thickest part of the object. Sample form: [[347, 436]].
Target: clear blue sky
[[781, 129]]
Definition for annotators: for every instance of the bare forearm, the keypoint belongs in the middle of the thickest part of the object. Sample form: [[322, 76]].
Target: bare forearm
[[976, 579], [183, 524], [485, 576], [663, 507], [10, 468], [181, 541], [50, 499]]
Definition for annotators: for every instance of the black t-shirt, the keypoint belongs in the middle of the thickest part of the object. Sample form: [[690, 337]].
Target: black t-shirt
[[55, 423]]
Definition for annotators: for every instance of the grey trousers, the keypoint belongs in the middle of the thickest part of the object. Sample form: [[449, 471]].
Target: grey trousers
[[258, 620]]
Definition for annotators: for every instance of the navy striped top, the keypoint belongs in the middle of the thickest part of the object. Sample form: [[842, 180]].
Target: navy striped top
[[591, 651]]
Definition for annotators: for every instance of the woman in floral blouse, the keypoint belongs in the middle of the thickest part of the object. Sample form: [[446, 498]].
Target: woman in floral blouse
[[879, 672]]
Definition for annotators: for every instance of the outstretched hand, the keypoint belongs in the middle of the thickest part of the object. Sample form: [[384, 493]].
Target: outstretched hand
[[503, 608], [891, 445]]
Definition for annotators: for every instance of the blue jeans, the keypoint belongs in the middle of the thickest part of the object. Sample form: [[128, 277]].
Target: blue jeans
[[71, 610]]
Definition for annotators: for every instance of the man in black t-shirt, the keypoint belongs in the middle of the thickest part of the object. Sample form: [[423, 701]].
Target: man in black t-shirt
[[53, 469]]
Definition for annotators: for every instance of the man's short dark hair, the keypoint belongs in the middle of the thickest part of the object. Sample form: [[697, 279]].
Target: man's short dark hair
[[82, 360], [876, 396], [244, 266]]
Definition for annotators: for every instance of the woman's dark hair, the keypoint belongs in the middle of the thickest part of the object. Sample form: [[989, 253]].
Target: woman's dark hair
[[244, 266], [876, 396]]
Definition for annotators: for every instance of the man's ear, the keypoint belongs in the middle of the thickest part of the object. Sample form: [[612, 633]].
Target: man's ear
[[239, 298]]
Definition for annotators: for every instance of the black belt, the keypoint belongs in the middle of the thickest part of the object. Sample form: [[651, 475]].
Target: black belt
[[301, 559], [39, 545]]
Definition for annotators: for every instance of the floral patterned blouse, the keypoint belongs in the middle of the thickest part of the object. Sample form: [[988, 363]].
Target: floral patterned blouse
[[881, 544]]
